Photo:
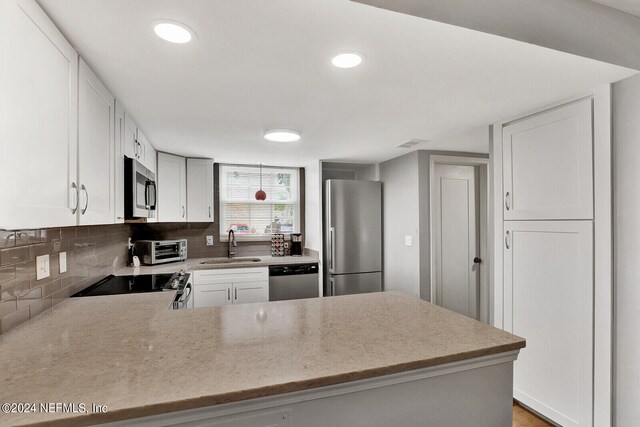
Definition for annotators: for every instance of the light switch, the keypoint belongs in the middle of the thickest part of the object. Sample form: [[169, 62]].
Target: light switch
[[42, 267], [408, 240], [209, 240], [63, 262]]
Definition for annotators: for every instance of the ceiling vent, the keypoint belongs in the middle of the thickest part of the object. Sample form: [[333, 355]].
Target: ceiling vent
[[411, 143]]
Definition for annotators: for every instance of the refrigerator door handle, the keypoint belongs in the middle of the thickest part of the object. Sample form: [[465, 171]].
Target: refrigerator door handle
[[332, 250], [333, 286]]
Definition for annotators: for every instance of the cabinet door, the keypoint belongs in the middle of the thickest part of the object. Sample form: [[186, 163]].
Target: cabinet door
[[146, 153], [547, 165], [200, 190], [130, 140], [119, 162], [246, 292], [171, 179], [39, 87], [96, 168], [212, 295], [548, 296]]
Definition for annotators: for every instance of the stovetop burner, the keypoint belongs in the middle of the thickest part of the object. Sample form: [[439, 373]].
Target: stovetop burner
[[114, 285]]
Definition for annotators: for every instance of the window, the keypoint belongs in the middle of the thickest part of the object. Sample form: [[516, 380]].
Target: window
[[252, 219]]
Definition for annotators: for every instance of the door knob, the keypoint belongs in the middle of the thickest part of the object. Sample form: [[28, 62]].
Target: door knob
[[477, 260]]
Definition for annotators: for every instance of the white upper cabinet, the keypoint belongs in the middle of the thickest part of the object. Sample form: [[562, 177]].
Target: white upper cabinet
[[548, 165], [172, 188], [119, 162], [136, 145], [39, 86], [146, 153], [200, 190], [130, 139], [96, 150]]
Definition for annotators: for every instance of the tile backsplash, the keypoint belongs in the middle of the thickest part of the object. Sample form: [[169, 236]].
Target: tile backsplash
[[92, 253]]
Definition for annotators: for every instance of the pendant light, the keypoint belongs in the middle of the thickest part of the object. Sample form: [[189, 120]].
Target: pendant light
[[260, 194]]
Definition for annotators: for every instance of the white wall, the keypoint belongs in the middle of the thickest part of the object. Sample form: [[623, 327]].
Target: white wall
[[312, 214], [626, 189], [401, 217]]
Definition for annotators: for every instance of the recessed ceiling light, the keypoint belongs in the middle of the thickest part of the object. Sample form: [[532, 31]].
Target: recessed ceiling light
[[173, 32], [282, 135], [348, 59]]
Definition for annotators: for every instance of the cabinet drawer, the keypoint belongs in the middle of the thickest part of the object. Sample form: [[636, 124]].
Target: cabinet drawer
[[226, 275]]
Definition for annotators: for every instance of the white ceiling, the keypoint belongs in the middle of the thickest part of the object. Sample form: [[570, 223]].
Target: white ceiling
[[629, 6], [263, 64]]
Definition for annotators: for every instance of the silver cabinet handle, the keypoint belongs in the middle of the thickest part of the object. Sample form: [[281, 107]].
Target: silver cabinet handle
[[235, 290], [209, 211], [507, 201], [507, 240], [228, 294], [75, 187], [86, 193], [183, 212]]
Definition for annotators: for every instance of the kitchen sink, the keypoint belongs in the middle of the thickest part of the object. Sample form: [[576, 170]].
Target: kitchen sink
[[230, 260]]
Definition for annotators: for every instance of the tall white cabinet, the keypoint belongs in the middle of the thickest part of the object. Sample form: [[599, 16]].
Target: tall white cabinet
[[200, 190], [39, 89], [96, 149], [547, 213], [172, 188]]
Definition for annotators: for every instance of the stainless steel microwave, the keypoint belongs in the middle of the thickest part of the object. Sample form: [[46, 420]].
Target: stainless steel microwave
[[153, 252], [139, 190]]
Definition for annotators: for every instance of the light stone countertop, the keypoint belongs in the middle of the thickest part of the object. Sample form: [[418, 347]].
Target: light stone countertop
[[196, 264], [138, 357]]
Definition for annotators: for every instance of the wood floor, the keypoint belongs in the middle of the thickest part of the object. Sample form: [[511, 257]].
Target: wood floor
[[524, 418]]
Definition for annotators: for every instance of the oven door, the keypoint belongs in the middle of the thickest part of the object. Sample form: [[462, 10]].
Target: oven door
[[166, 251]]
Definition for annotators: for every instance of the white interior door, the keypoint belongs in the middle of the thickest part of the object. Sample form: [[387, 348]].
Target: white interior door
[[171, 180], [96, 154], [548, 297], [548, 165], [456, 237], [39, 96]]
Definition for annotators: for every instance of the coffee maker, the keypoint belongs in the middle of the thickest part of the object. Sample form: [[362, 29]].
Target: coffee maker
[[296, 244]]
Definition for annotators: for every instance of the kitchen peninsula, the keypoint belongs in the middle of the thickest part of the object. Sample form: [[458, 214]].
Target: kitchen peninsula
[[371, 359]]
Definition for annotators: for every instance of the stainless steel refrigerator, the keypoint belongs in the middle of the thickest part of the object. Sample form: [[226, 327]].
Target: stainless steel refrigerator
[[353, 237]]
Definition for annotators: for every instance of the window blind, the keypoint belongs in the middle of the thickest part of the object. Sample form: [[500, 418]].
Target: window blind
[[253, 219]]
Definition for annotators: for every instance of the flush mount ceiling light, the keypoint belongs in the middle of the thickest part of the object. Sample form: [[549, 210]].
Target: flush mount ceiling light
[[348, 59], [172, 31], [282, 135]]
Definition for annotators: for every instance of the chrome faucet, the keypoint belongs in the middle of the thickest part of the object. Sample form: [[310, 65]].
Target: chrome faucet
[[232, 243]]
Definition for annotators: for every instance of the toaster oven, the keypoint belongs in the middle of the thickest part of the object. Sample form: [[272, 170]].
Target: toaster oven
[[153, 252]]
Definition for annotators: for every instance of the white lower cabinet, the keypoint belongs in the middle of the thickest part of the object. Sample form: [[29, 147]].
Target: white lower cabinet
[[230, 286], [548, 297]]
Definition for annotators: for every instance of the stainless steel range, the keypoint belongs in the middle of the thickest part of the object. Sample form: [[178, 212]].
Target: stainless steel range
[[143, 283]]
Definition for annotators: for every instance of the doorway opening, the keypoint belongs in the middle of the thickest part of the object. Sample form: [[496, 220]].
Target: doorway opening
[[459, 235]]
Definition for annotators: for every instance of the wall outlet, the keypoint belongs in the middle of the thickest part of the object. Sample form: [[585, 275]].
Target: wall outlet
[[408, 240], [42, 267], [209, 240], [63, 262]]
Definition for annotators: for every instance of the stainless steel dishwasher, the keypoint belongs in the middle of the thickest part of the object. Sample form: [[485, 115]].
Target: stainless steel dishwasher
[[293, 281]]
